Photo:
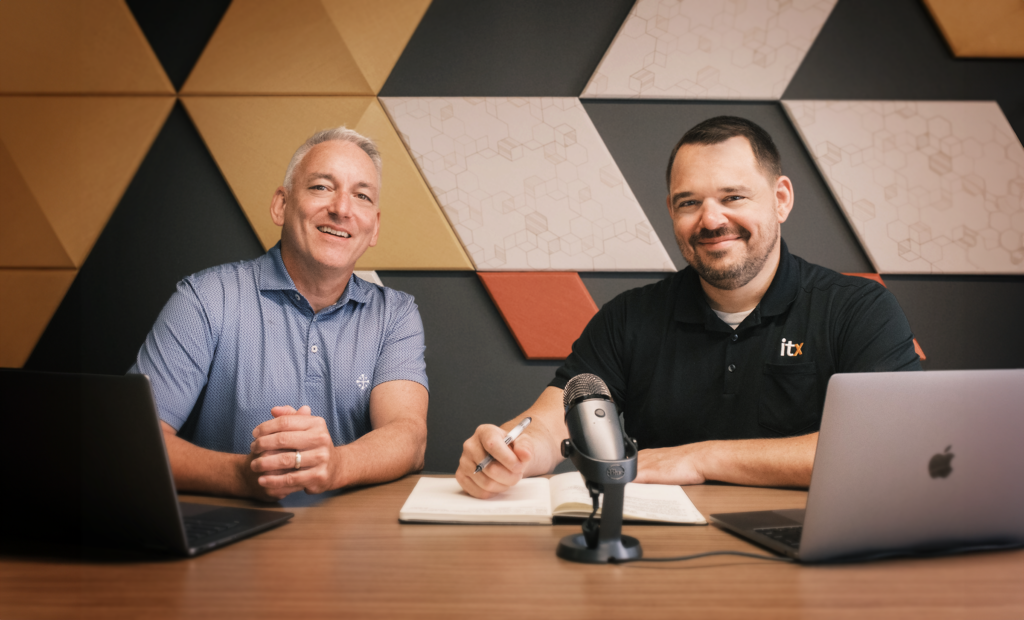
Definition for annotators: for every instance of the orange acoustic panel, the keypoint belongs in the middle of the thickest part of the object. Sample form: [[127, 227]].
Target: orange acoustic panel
[[983, 29], [252, 140], [76, 47], [29, 299], [26, 237], [878, 278], [305, 47], [546, 311], [75, 156]]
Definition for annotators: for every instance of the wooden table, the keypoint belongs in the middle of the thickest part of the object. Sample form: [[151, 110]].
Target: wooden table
[[349, 557]]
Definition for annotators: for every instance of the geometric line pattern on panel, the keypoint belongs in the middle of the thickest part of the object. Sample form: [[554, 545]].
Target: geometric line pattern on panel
[[76, 47], [928, 186], [877, 277], [691, 49], [527, 184], [545, 311], [989, 29], [252, 139], [329, 47]]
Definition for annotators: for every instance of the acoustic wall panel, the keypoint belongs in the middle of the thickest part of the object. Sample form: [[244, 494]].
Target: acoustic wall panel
[[26, 239], [527, 184], [691, 49], [76, 155], [990, 29], [545, 311], [253, 139], [30, 298], [929, 187], [305, 47], [75, 46]]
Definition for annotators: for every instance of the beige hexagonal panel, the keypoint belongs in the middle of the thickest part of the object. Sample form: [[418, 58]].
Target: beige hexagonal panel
[[928, 186], [527, 184], [692, 49]]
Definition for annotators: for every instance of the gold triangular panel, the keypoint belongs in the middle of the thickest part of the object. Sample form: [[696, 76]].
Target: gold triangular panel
[[414, 231], [377, 32], [252, 140], [270, 47], [38, 293], [77, 156], [26, 238], [76, 47], [990, 29]]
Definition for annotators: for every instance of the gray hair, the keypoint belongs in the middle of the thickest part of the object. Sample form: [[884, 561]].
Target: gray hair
[[341, 134]]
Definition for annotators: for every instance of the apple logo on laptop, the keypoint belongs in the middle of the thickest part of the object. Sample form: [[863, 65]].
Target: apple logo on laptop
[[939, 466]]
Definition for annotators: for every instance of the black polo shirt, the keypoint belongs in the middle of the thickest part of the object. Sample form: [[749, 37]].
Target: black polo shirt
[[682, 375]]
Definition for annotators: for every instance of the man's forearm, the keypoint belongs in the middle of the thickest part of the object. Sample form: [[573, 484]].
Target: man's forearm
[[199, 470], [784, 462], [383, 454]]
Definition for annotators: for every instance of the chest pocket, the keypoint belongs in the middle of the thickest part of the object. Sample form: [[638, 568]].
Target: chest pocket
[[790, 399]]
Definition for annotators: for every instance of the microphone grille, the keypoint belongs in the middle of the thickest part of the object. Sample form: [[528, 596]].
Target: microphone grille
[[583, 385]]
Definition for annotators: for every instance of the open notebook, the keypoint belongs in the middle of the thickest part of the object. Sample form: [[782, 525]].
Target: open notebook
[[539, 500]]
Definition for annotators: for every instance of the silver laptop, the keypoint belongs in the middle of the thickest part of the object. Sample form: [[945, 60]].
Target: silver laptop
[[907, 462], [88, 465]]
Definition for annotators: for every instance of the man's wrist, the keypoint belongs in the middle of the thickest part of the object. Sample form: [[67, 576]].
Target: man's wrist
[[338, 473]]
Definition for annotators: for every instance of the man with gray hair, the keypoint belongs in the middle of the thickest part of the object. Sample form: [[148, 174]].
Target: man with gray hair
[[287, 372]]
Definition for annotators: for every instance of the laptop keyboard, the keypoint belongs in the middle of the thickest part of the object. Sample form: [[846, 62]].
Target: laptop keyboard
[[789, 535], [197, 529]]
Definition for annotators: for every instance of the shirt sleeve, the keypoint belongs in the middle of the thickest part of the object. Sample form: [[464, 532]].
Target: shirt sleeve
[[600, 350], [873, 334], [177, 355], [401, 356]]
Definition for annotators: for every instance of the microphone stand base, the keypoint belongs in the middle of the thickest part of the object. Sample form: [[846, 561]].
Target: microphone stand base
[[574, 548]]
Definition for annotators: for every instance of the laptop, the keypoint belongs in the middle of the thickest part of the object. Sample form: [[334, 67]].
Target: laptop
[[907, 463], [86, 463]]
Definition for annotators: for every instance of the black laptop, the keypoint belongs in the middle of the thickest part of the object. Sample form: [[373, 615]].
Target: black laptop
[[86, 463]]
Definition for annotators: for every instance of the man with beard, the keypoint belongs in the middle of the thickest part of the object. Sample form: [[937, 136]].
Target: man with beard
[[721, 369]]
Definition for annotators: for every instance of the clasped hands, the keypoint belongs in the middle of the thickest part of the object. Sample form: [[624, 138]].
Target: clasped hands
[[272, 457]]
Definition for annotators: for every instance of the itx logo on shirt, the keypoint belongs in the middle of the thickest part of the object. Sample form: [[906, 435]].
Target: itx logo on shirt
[[790, 348], [362, 382]]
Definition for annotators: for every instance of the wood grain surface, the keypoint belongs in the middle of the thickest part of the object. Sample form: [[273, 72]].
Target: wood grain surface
[[349, 557]]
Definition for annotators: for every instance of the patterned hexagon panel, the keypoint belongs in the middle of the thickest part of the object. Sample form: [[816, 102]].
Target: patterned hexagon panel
[[528, 184], [928, 186], [691, 49]]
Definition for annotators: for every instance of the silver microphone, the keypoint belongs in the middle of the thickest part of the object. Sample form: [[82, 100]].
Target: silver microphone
[[593, 418]]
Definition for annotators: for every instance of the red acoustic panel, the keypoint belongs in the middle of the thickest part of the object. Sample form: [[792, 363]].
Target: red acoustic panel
[[878, 278], [546, 311]]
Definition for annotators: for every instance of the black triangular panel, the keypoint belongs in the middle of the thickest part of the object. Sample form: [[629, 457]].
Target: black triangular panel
[[177, 216], [892, 49], [527, 48], [178, 31]]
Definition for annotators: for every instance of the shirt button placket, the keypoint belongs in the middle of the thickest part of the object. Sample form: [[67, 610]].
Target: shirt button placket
[[730, 379]]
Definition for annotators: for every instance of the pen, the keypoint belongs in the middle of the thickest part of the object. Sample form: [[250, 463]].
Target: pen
[[512, 435]]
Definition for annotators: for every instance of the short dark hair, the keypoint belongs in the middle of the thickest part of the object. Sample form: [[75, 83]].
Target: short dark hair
[[719, 129]]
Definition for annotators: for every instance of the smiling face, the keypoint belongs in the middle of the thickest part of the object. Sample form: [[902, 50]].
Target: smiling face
[[329, 214], [726, 213]]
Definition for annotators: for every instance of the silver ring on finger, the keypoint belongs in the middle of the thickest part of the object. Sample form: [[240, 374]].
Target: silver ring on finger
[[298, 459]]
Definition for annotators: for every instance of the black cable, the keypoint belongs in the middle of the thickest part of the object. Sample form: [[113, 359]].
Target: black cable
[[773, 558]]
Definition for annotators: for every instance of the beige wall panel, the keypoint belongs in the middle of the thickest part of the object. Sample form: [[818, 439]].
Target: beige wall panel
[[414, 232], [376, 32], [989, 29], [26, 237], [29, 299], [252, 140], [75, 46], [78, 154], [272, 47]]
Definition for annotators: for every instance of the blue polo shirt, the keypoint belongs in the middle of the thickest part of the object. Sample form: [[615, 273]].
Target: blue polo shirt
[[247, 335]]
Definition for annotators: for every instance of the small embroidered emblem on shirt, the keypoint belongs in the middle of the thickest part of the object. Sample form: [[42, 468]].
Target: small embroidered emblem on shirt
[[788, 348], [362, 382]]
